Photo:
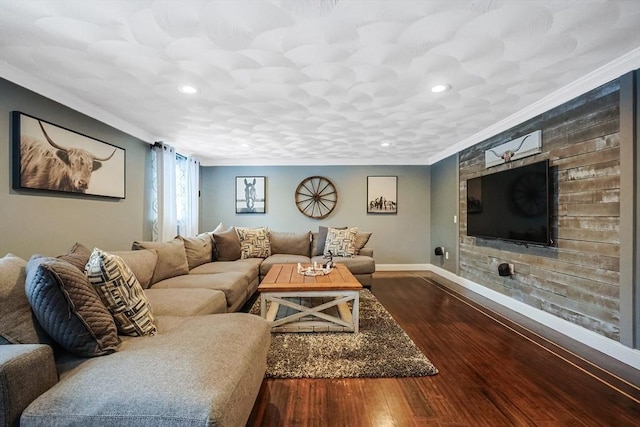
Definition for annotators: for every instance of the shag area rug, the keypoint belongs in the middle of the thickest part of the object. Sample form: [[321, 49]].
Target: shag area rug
[[380, 349]]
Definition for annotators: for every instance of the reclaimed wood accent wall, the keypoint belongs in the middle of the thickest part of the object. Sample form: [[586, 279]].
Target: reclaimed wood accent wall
[[576, 279]]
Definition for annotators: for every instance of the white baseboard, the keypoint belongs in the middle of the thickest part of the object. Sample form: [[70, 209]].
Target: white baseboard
[[592, 339], [402, 267]]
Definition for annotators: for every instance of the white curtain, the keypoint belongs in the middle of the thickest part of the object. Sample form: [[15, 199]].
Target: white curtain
[[165, 224], [188, 192]]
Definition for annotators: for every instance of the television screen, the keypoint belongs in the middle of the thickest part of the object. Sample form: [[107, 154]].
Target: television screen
[[511, 205]]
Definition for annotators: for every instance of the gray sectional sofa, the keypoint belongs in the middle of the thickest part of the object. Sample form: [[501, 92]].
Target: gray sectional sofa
[[205, 364]]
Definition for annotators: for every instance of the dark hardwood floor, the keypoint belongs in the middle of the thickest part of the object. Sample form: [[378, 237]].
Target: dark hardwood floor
[[493, 372]]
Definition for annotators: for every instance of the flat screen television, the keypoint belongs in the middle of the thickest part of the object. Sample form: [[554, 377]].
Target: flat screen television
[[511, 205]]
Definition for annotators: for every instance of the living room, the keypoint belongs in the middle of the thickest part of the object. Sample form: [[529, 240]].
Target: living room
[[595, 300]]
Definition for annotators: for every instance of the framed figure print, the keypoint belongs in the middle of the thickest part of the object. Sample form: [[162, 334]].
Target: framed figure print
[[48, 157], [382, 195], [250, 194]]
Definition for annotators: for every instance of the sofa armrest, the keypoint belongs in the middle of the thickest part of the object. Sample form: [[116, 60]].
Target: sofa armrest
[[366, 252], [26, 371]]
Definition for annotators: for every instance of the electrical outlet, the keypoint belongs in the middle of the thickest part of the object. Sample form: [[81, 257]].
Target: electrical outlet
[[455, 219], [446, 255]]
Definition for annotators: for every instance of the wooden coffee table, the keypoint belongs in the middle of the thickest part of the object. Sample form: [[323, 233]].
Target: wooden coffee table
[[292, 302]]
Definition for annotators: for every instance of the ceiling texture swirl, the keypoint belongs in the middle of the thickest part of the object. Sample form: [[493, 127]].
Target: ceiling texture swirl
[[309, 81]]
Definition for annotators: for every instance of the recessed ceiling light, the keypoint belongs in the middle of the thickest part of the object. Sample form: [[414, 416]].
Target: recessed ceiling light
[[245, 145], [440, 88], [189, 90], [386, 144]]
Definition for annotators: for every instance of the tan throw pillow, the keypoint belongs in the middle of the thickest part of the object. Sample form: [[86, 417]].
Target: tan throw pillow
[[172, 258], [361, 240], [254, 242], [227, 245], [121, 292], [68, 307], [199, 249], [341, 242], [17, 322]]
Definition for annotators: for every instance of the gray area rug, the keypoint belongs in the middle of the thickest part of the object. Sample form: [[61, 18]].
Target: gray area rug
[[381, 349]]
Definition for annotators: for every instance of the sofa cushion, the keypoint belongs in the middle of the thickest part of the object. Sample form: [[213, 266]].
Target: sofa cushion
[[18, 324], [282, 259], [233, 284], [121, 292], [254, 242], [206, 372], [290, 243], [199, 249], [68, 308], [250, 267], [227, 245], [142, 262], [77, 256], [341, 242], [185, 302], [362, 238], [172, 258]]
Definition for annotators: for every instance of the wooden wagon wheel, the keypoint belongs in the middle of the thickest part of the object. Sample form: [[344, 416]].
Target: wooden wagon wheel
[[316, 197]]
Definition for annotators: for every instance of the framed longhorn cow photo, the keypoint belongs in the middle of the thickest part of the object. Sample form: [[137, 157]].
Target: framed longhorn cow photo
[[48, 157], [250, 194]]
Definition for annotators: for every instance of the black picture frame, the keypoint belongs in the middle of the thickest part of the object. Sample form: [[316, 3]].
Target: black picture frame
[[251, 196], [51, 158], [382, 195]]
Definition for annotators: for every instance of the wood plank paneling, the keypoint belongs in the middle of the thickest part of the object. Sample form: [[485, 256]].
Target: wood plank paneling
[[578, 279]]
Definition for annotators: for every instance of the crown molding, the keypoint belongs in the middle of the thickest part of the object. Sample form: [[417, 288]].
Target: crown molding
[[28, 81], [602, 75]]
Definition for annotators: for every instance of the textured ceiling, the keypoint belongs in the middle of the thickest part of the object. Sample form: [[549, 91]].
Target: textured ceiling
[[312, 81]]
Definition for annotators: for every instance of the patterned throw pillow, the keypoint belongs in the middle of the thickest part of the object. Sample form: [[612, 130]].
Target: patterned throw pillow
[[121, 292], [254, 242], [341, 242]]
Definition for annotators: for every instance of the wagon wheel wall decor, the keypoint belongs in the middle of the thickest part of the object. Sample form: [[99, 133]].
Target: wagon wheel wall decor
[[316, 197]]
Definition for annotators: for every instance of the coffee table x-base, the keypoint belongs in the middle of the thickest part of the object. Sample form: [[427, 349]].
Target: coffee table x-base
[[292, 302]]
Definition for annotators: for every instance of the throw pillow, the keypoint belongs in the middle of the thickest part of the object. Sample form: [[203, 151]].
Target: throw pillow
[[77, 256], [121, 292], [254, 242], [227, 245], [220, 228], [322, 238], [199, 249], [361, 240], [341, 242], [68, 308], [172, 258], [17, 322]]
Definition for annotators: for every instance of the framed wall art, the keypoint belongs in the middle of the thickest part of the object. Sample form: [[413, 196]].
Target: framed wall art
[[382, 195], [47, 157], [250, 194]]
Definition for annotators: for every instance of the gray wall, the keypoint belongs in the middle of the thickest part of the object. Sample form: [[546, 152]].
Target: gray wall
[[397, 239], [444, 206], [49, 223]]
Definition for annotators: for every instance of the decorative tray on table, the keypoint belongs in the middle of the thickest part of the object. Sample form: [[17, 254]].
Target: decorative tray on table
[[315, 270]]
